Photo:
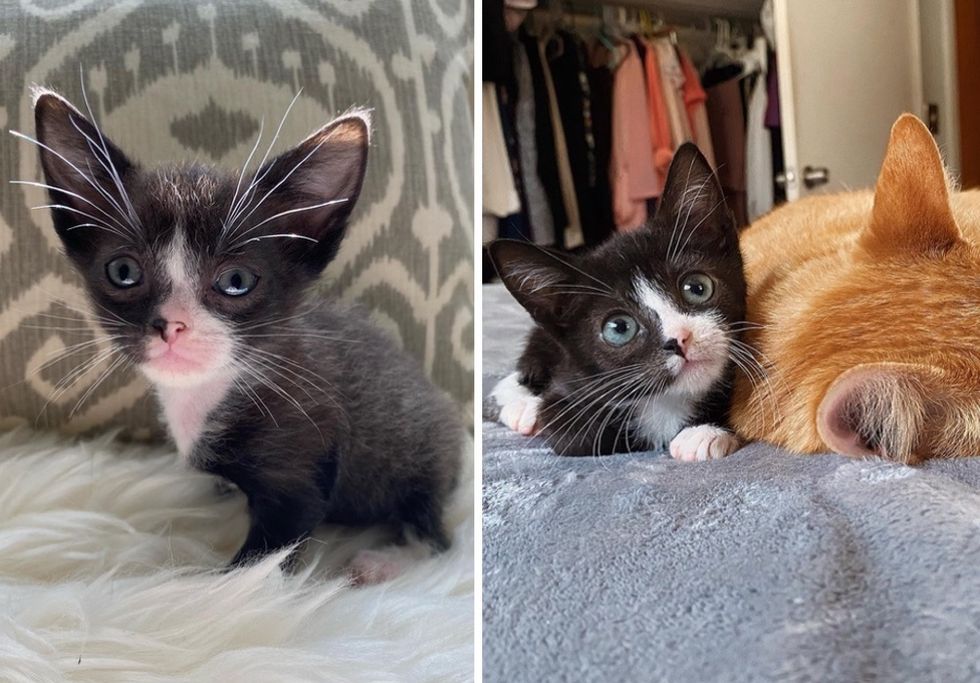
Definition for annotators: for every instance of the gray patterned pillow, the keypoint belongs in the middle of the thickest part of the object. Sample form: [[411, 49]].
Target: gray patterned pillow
[[172, 80]]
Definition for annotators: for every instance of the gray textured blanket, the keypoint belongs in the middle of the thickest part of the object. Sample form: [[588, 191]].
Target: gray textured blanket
[[762, 566]]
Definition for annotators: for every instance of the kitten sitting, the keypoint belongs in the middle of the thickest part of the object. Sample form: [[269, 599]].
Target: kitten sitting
[[301, 402], [636, 342]]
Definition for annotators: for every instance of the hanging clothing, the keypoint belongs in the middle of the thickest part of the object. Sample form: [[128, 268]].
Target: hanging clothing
[[538, 209], [500, 196], [726, 118], [660, 137], [631, 172], [697, 112], [758, 144], [601, 85], [544, 138], [672, 77], [567, 64], [573, 230]]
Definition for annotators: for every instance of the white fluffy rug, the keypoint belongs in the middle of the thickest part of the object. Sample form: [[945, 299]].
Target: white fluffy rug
[[108, 557]]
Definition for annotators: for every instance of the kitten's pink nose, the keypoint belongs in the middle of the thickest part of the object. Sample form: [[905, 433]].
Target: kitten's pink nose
[[168, 329], [680, 343]]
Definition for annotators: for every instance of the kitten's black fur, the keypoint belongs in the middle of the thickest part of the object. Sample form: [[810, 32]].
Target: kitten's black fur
[[355, 433], [570, 296]]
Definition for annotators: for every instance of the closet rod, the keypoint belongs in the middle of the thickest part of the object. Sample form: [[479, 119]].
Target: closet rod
[[673, 11]]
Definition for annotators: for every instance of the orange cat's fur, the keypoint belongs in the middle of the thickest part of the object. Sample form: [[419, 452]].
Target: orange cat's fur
[[869, 314]]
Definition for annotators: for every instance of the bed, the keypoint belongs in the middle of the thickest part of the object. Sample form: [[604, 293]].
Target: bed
[[764, 566]]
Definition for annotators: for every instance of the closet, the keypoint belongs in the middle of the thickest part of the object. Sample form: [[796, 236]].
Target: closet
[[585, 102]]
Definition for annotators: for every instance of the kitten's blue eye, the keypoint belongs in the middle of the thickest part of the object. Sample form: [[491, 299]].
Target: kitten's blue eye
[[619, 329], [236, 282], [697, 288], [124, 272]]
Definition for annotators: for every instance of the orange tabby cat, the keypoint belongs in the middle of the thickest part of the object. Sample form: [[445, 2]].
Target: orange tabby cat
[[868, 307]]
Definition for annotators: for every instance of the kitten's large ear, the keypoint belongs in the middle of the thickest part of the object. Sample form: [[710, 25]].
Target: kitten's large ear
[[311, 190], [538, 278], [879, 409], [88, 171], [911, 212], [694, 201]]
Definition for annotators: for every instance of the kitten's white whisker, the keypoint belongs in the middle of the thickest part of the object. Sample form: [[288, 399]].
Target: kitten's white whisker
[[677, 218], [285, 372], [241, 175], [591, 409], [273, 386], [113, 174], [246, 197], [690, 208], [586, 397], [611, 410], [71, 377], [121, 360], [269, 237], [240, 221], [286, 213], [690, 233], [105, 149], [55, 357], [255, 399], [75, 195], [288, 361], [555, 257], [65, 207], [77, 170]]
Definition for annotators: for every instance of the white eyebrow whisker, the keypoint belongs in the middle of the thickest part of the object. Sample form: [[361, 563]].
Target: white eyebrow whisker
[[247, 195], [286, 213], [105, 149], [70, 194]]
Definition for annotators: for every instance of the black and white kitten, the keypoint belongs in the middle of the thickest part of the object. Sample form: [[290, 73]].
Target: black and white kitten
[[636, 341], [302, 403]]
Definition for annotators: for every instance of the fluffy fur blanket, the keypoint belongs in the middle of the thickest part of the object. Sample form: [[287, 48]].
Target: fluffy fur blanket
[[108, 572]]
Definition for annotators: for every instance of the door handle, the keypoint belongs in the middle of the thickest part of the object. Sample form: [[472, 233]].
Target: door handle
[[815, 175]]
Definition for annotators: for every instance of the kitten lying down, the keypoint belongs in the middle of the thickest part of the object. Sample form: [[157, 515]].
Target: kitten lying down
[[201, 279], [636, 342]]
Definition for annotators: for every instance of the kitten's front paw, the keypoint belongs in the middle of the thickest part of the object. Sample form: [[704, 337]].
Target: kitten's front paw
[[518, 406], [703, 442]]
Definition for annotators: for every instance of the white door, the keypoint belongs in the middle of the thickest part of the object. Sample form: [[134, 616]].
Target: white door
[[847, 69]]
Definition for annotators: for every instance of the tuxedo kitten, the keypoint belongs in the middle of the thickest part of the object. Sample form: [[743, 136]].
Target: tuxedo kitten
[[301, 402], [636, 342]]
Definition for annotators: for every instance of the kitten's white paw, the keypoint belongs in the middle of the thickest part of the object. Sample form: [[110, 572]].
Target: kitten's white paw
[[703, 442], [518, 406]]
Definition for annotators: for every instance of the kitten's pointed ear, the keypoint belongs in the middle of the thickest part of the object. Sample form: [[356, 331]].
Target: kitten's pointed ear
[[694, 201], [879, 409], [911, 212], [311, 190], [538, 278], [89, 171]]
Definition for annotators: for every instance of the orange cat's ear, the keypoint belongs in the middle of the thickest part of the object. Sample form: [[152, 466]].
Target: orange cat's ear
[[911, 212], [878, 409]]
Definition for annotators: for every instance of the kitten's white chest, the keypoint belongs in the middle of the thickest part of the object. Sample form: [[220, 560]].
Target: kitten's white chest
[[659, 418], [186, 410]]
